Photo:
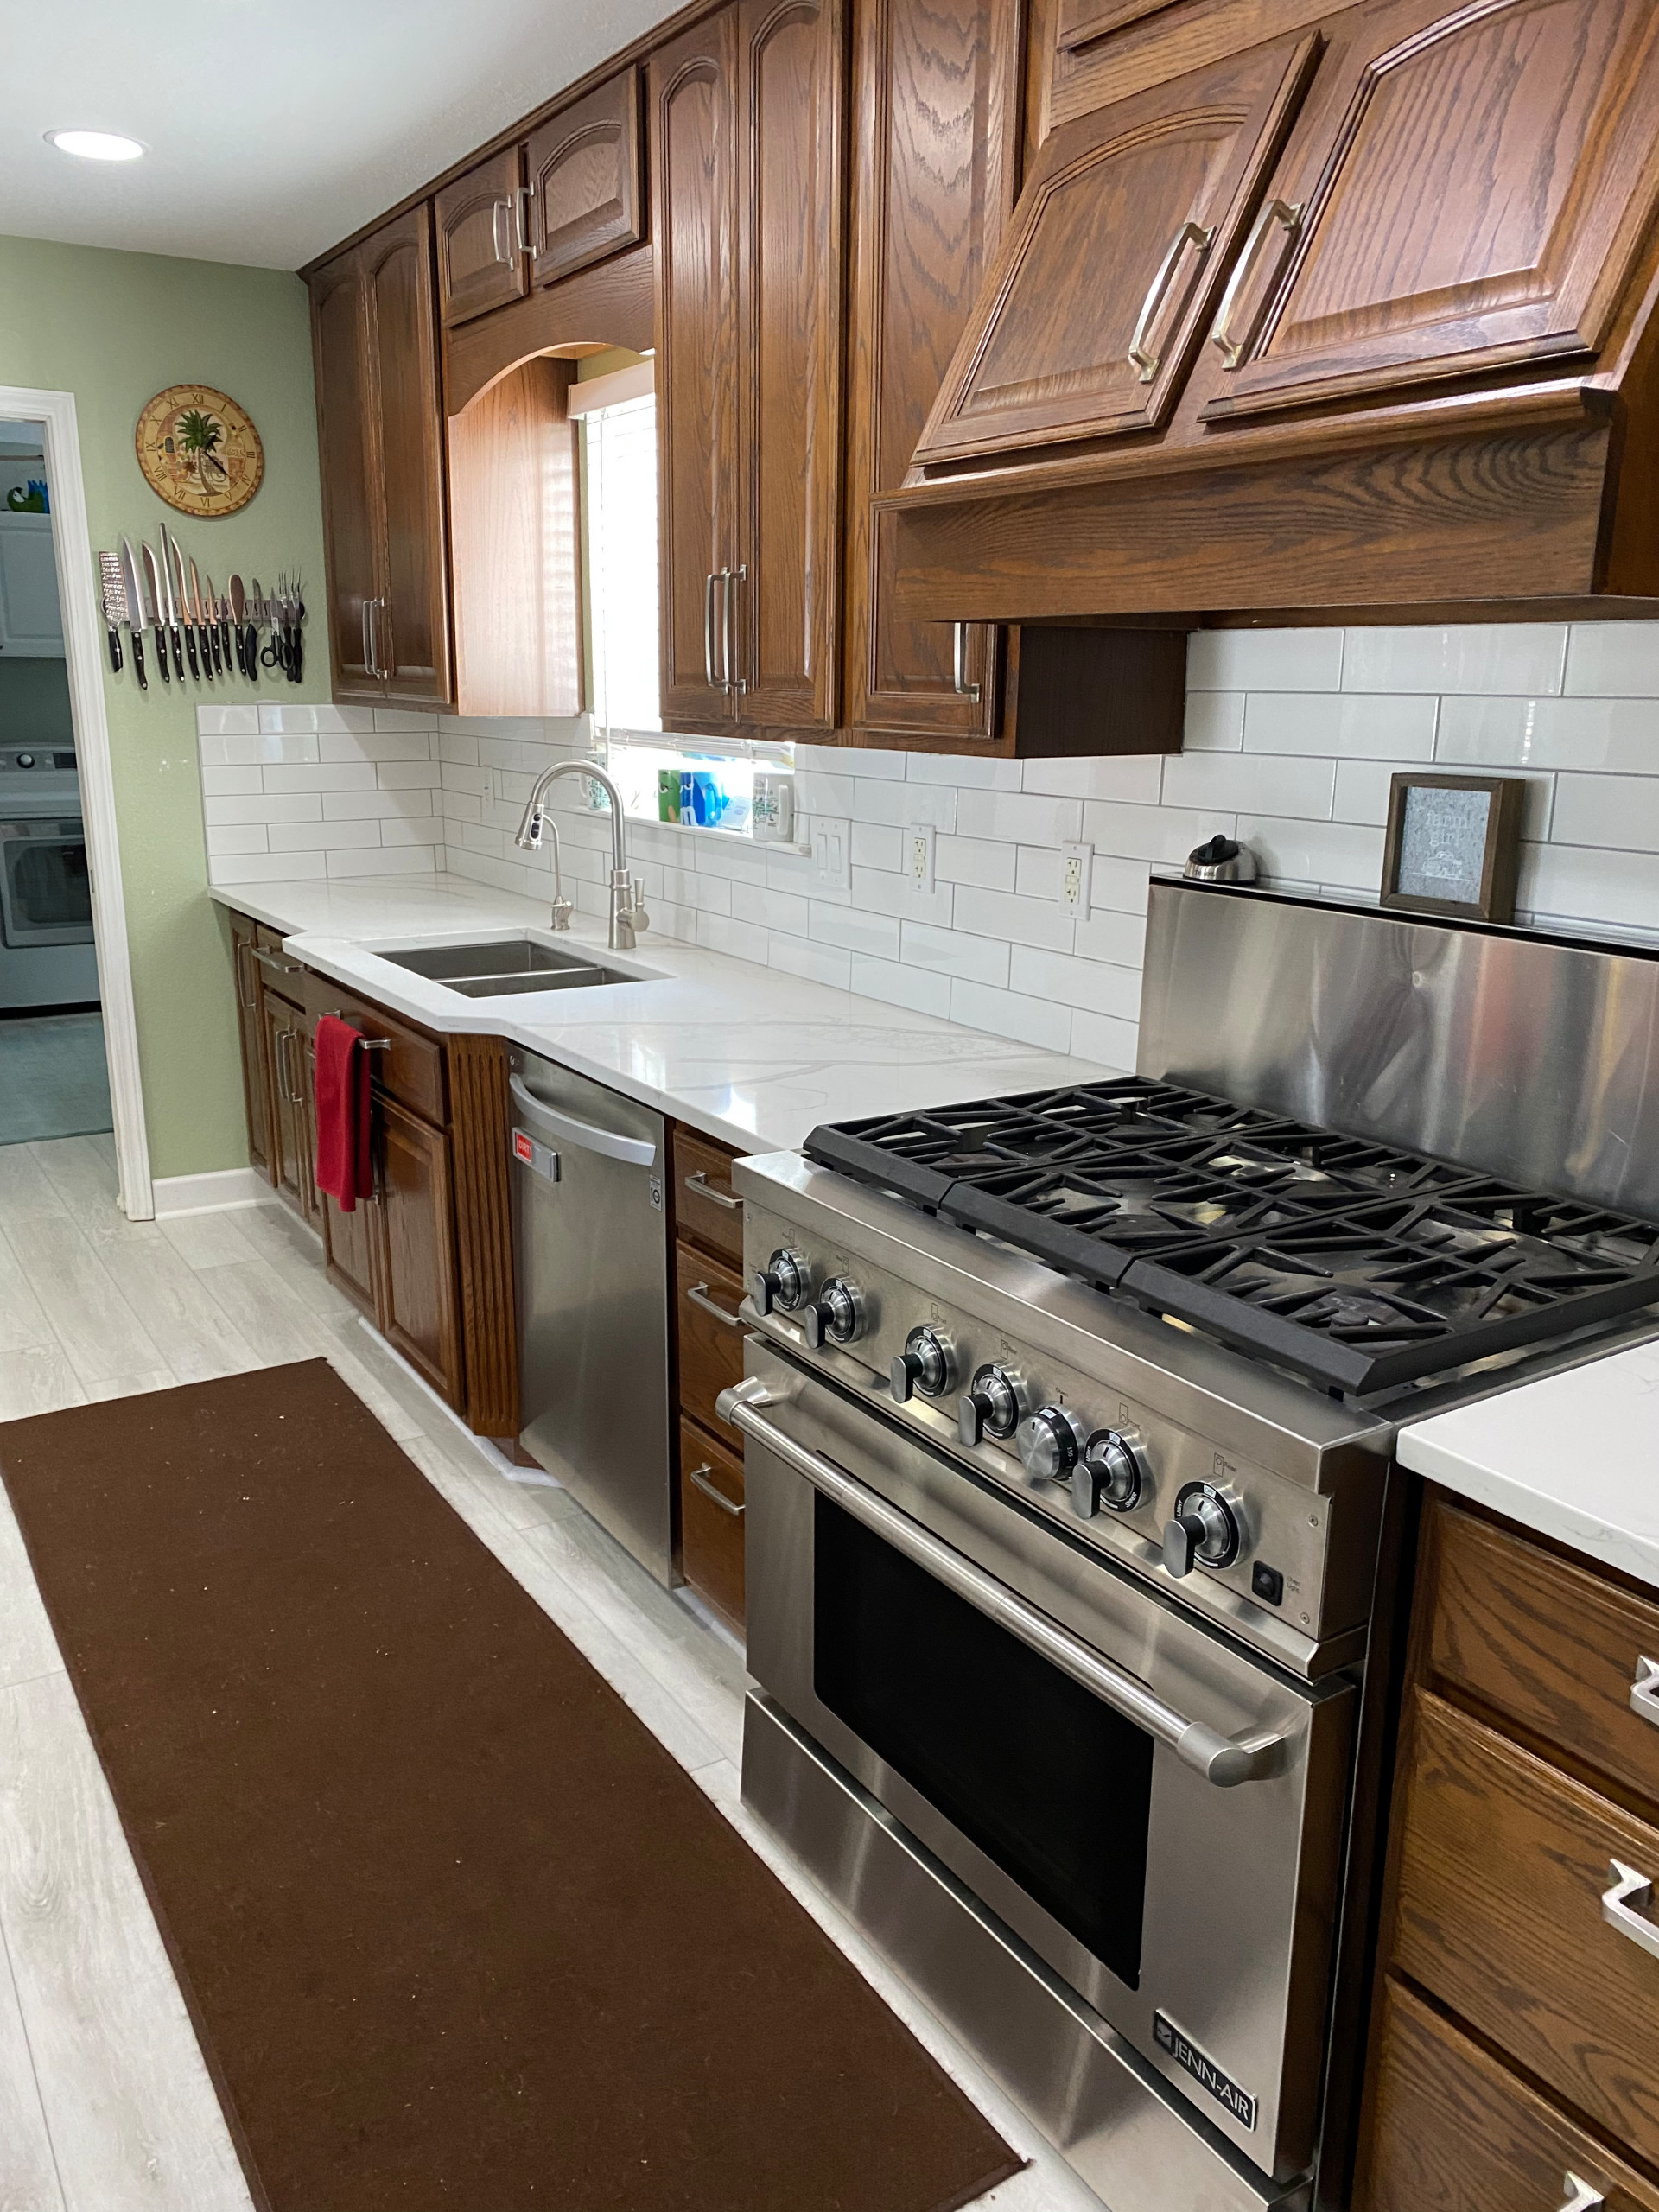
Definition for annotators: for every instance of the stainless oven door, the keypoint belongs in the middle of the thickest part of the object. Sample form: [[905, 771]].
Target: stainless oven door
[[45, 889], [1154, 1810]]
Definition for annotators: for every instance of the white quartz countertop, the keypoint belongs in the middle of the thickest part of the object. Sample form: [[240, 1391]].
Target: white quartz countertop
[[1572, 1456], [751, 1055]]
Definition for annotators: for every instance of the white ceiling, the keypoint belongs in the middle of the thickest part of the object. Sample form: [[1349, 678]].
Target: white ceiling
[[276, 127]]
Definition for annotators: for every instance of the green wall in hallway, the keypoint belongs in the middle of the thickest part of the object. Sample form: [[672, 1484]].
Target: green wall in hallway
[[34, 703], [115, 329]]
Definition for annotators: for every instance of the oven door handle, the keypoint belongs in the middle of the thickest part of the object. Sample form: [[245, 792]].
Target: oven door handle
[[1224, 1760]]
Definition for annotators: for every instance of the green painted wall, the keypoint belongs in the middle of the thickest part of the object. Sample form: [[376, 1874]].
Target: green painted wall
[[34, 703], [115, 329]]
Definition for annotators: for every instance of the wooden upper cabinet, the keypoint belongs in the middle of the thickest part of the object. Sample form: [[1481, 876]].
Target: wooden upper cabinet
[[694, 105], [1113, 265], [587, 189], [350, 506], [1081, 21], [411, 635], [482, 243], [1467, 191], [785, 616], [935, 133]]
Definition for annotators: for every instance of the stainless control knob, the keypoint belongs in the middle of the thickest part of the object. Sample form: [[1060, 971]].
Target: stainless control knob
[[25, 760], [1203, 1532], [1112, 1473], [835, 1316], [993, 1405], [927, 1363], [783, 1281], [1050, 1443]]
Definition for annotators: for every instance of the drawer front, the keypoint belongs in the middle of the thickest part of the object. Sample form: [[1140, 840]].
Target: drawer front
[[711, 1345], [1547, 1645], [411, 1071], [1450, 2130], [706, 1205], [1502, 1865], [711, 1520]]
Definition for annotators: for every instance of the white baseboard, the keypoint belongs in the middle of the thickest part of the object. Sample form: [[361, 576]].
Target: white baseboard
[[214, 1192]]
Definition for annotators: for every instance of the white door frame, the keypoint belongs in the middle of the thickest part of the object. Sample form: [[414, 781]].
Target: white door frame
[[83, 648]]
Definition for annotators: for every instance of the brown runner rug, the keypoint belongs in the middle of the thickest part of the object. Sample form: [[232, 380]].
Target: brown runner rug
[[455, 1929]]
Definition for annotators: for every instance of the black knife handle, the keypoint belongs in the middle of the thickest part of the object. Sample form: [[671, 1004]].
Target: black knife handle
[[200, 636], [212, 641], [161, 652], [190, 644], [138, 658], [178, 653], [115, 649]]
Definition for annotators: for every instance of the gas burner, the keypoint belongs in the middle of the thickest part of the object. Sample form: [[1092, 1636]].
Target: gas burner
[[1359, 1265]]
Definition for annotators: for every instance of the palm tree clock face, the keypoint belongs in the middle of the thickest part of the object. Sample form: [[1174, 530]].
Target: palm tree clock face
[[199, 450]]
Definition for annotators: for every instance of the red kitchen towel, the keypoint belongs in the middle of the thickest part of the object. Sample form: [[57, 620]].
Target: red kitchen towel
[[344, 1167]]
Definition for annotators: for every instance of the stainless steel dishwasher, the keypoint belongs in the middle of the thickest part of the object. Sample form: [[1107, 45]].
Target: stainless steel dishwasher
[[590, 1259]]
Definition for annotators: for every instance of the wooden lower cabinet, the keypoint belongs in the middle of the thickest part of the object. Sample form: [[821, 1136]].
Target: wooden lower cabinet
[[711, 1520], [1512, 2043], [709, 1332], [708, 1224], [292, 1150], [250, 1022], [419, 1310]]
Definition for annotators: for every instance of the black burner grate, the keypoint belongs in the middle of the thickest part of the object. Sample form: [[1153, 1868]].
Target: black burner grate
[[1362, 1265]]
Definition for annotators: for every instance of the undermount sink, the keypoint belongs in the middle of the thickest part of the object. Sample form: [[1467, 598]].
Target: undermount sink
[[510, 965]]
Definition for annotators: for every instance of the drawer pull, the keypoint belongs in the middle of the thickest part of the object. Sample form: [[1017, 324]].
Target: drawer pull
[[1629, 1889], [698, 1294], [698, 1479], [369, 1044], [1580, 2196], [705, 1189], [1644, 1690], [267, 958]]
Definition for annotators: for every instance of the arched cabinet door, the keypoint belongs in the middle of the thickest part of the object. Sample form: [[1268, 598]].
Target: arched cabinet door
[[1466, 191], [350, 500], [480, 238], [1114, 263], [586, 197]]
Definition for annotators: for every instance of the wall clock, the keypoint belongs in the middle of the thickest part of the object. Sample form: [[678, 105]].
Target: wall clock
[[199, 450]]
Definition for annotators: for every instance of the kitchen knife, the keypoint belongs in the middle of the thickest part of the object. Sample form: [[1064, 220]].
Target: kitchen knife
[[198, 623], [153, 603], [135, 610], [178, 608], [115, 604], [212, 627], [239, 622]]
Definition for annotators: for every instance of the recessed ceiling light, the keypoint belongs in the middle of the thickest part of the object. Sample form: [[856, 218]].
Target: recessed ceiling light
[[96, 145]]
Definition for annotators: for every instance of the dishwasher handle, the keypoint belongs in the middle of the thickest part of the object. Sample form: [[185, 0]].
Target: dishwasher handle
[[637, 1152], [1224, 1760]]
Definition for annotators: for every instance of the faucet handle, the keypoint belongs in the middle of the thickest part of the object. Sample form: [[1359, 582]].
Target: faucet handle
[[563, 909], [637, 914]]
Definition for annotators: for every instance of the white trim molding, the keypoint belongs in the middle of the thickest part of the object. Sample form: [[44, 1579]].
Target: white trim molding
[[217, 1191], [83, 657]]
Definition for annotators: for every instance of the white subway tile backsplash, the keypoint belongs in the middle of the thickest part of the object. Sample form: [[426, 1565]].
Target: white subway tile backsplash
[[1614, 736], [1618, 810], [1136, 777], [1101, 1036], [230, 782], [948, 952], [1120, 938], [1163, 834], [1497, 657], [1021, 921], [322, 776], [1340, 853], [878, 845], [363, 806], [1067, 981], [386, 859], [980, 861], [1215, 721], [877, 935], [1225, 783], [1010, 1013], [292, 806], [227, 721], [1264, 660], [1613, 660], [1354, 725], [1012, 815], [819, 964], [918, 988], [322, 836]]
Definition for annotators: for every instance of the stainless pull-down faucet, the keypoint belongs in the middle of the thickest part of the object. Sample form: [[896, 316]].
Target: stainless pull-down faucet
[[628, 914]]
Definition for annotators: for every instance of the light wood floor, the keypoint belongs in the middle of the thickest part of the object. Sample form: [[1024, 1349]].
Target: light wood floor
[[105, 2105]]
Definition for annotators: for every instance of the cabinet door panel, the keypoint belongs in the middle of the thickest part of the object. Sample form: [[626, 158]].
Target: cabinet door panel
[[586, 189], [693, 88], [414, 633], [420, 1314], [785, 614], [284, 1054], [1114, 260], [711, 1520], [936, 130], [709, 1334], [250, 1033], [350, 501], [1474, 191], [480, 225]]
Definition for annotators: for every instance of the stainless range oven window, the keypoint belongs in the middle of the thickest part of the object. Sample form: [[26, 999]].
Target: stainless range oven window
[[45, 888], [1043, 1777]]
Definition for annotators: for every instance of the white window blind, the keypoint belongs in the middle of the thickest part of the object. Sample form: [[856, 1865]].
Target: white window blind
[[621, 454]]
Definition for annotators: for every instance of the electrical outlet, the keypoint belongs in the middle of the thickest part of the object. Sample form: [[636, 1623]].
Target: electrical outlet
[[919, 854], [832, 853], [1077, 868]]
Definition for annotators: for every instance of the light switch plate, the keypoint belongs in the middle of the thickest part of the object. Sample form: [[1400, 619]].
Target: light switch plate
[[832, 853], [919, 858], [1077, 868]]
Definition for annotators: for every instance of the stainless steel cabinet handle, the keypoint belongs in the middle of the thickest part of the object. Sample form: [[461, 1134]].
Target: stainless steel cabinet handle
[[698, 1294], [708, 630], [521, 217], [1629, 1888], [1644, 1690], [966, 689], [638, 1151], [368, 650], [250, 1003], [1581, 2196], [275, 962], [705, 1189], [501, 226], [286, 1083], [1141, 356], [729, 651], [698, 1479], [1224, 1760], [1289, 214]]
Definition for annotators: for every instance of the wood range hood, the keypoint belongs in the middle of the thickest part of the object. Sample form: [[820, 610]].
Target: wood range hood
[[1312, 315]]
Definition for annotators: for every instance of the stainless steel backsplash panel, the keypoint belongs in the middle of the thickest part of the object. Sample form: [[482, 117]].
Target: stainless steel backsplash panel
[[1535, 1058]]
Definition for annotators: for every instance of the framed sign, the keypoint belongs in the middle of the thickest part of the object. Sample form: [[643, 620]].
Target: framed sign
[[1453, 845], [199, 450]]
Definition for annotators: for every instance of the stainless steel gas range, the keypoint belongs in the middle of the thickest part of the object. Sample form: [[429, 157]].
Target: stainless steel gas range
[[1068, 1425]]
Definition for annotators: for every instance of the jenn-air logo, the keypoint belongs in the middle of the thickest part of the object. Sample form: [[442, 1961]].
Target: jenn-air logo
[[1204, 2071]]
